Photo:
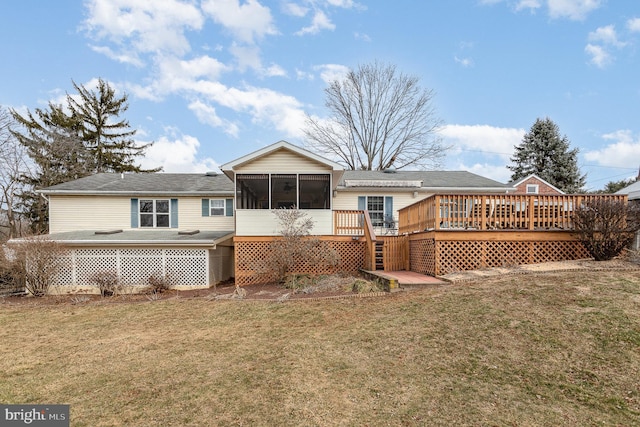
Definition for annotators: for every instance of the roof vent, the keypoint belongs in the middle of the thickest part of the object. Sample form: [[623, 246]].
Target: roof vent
[[188, 232], [390, 170], [211, 173], [108, 231]]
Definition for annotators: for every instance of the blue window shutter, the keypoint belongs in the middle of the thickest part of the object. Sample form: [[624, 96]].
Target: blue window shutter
[[174, 213], [388, 207], [205, 207], [134, 213], [362, 203], [228, 207]]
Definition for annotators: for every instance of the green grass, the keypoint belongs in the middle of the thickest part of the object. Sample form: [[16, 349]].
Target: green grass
[[547, 350]]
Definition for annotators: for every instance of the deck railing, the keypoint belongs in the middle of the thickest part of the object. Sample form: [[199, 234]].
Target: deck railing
[[348, 222], [494, 211]]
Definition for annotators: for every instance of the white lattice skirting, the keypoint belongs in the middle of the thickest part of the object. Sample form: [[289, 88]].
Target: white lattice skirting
[[182, 267]]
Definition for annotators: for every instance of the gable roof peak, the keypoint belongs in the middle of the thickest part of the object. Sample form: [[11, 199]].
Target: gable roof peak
[[280, 145]]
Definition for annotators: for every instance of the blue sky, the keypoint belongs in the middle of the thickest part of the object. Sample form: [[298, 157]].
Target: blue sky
[[212, 80]]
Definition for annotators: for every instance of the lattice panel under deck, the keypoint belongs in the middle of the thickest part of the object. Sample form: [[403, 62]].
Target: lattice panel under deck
[[454, 256], [422, 256], [558, 251], [252, 260]]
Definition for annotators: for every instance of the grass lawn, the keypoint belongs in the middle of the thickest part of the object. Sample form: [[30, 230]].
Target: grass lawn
[[527, 350]]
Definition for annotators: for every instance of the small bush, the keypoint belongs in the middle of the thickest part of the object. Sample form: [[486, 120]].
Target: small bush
[[159, 283], [606, 227], [361, 286], [33, 263], [108, 283], [296, 250]]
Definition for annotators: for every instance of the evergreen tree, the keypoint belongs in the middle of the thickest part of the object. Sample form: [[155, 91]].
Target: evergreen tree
[[68, 143], [545, 153], [107, 137], [53, 141], [613, 186]]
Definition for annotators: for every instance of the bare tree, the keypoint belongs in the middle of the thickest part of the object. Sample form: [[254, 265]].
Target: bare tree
[[12, 166], [380, 119]]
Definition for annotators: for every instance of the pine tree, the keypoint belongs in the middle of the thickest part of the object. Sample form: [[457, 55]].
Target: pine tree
[[68, 143], [53, 141], [547, 154], [107, 137]]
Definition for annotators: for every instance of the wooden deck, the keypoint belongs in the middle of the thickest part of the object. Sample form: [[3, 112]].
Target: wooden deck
[[494, 212]]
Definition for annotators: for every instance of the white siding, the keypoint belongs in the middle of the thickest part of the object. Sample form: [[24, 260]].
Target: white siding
[[73, 213], [349, 200], [262, 222], [283, 161], [190, 216]]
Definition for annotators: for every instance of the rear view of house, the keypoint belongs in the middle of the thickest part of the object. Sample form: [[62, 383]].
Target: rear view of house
[[196, 230]]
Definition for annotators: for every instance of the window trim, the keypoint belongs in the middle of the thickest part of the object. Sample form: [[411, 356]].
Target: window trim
[[154, 213], [223, 208], [243, 197], [534, 187]]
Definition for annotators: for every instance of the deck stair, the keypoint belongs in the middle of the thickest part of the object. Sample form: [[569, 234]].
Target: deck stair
[[379, 252]]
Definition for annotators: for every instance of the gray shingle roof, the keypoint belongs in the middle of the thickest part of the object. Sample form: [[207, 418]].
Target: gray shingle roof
[[430, 179], [220, 184], [169, 183], [150, 237]]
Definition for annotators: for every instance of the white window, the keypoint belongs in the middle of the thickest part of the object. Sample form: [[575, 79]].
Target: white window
[[375, 206], [532, 189], [216, 207], [154, 213]]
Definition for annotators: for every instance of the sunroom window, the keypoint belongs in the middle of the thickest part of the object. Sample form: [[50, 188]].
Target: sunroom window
[[276, 191], [154, 213]]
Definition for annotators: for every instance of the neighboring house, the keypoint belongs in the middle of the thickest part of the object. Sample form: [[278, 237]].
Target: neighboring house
[[533, 184], [633, 194], [188, 227]]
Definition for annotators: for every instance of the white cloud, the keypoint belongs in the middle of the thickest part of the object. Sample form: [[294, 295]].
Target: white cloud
[[248, 22], [623, 152], [331, 72], [320, 22], [634, 25], [599, 56], [484, 139], [123, 57], [177, 156], [207, 114], [606, 35], [576, 10], [362, 36], [573, 9], [150, 26], [465, 62], [295, 9], [532, 5]]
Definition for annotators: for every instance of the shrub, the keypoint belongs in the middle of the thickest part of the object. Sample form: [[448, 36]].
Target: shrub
[[296, 251], [159, 283], [606, 227], [33, 263], [108, 283]]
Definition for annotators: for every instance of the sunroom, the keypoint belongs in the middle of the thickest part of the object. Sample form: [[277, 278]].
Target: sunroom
[[282, 176]]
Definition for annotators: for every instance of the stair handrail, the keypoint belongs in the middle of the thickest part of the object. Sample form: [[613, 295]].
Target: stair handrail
[[370, 239]]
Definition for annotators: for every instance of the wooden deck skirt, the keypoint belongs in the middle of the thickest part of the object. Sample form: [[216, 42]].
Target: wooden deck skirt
[[442, 234], [442, 252], [250, 250], [433, 253]]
